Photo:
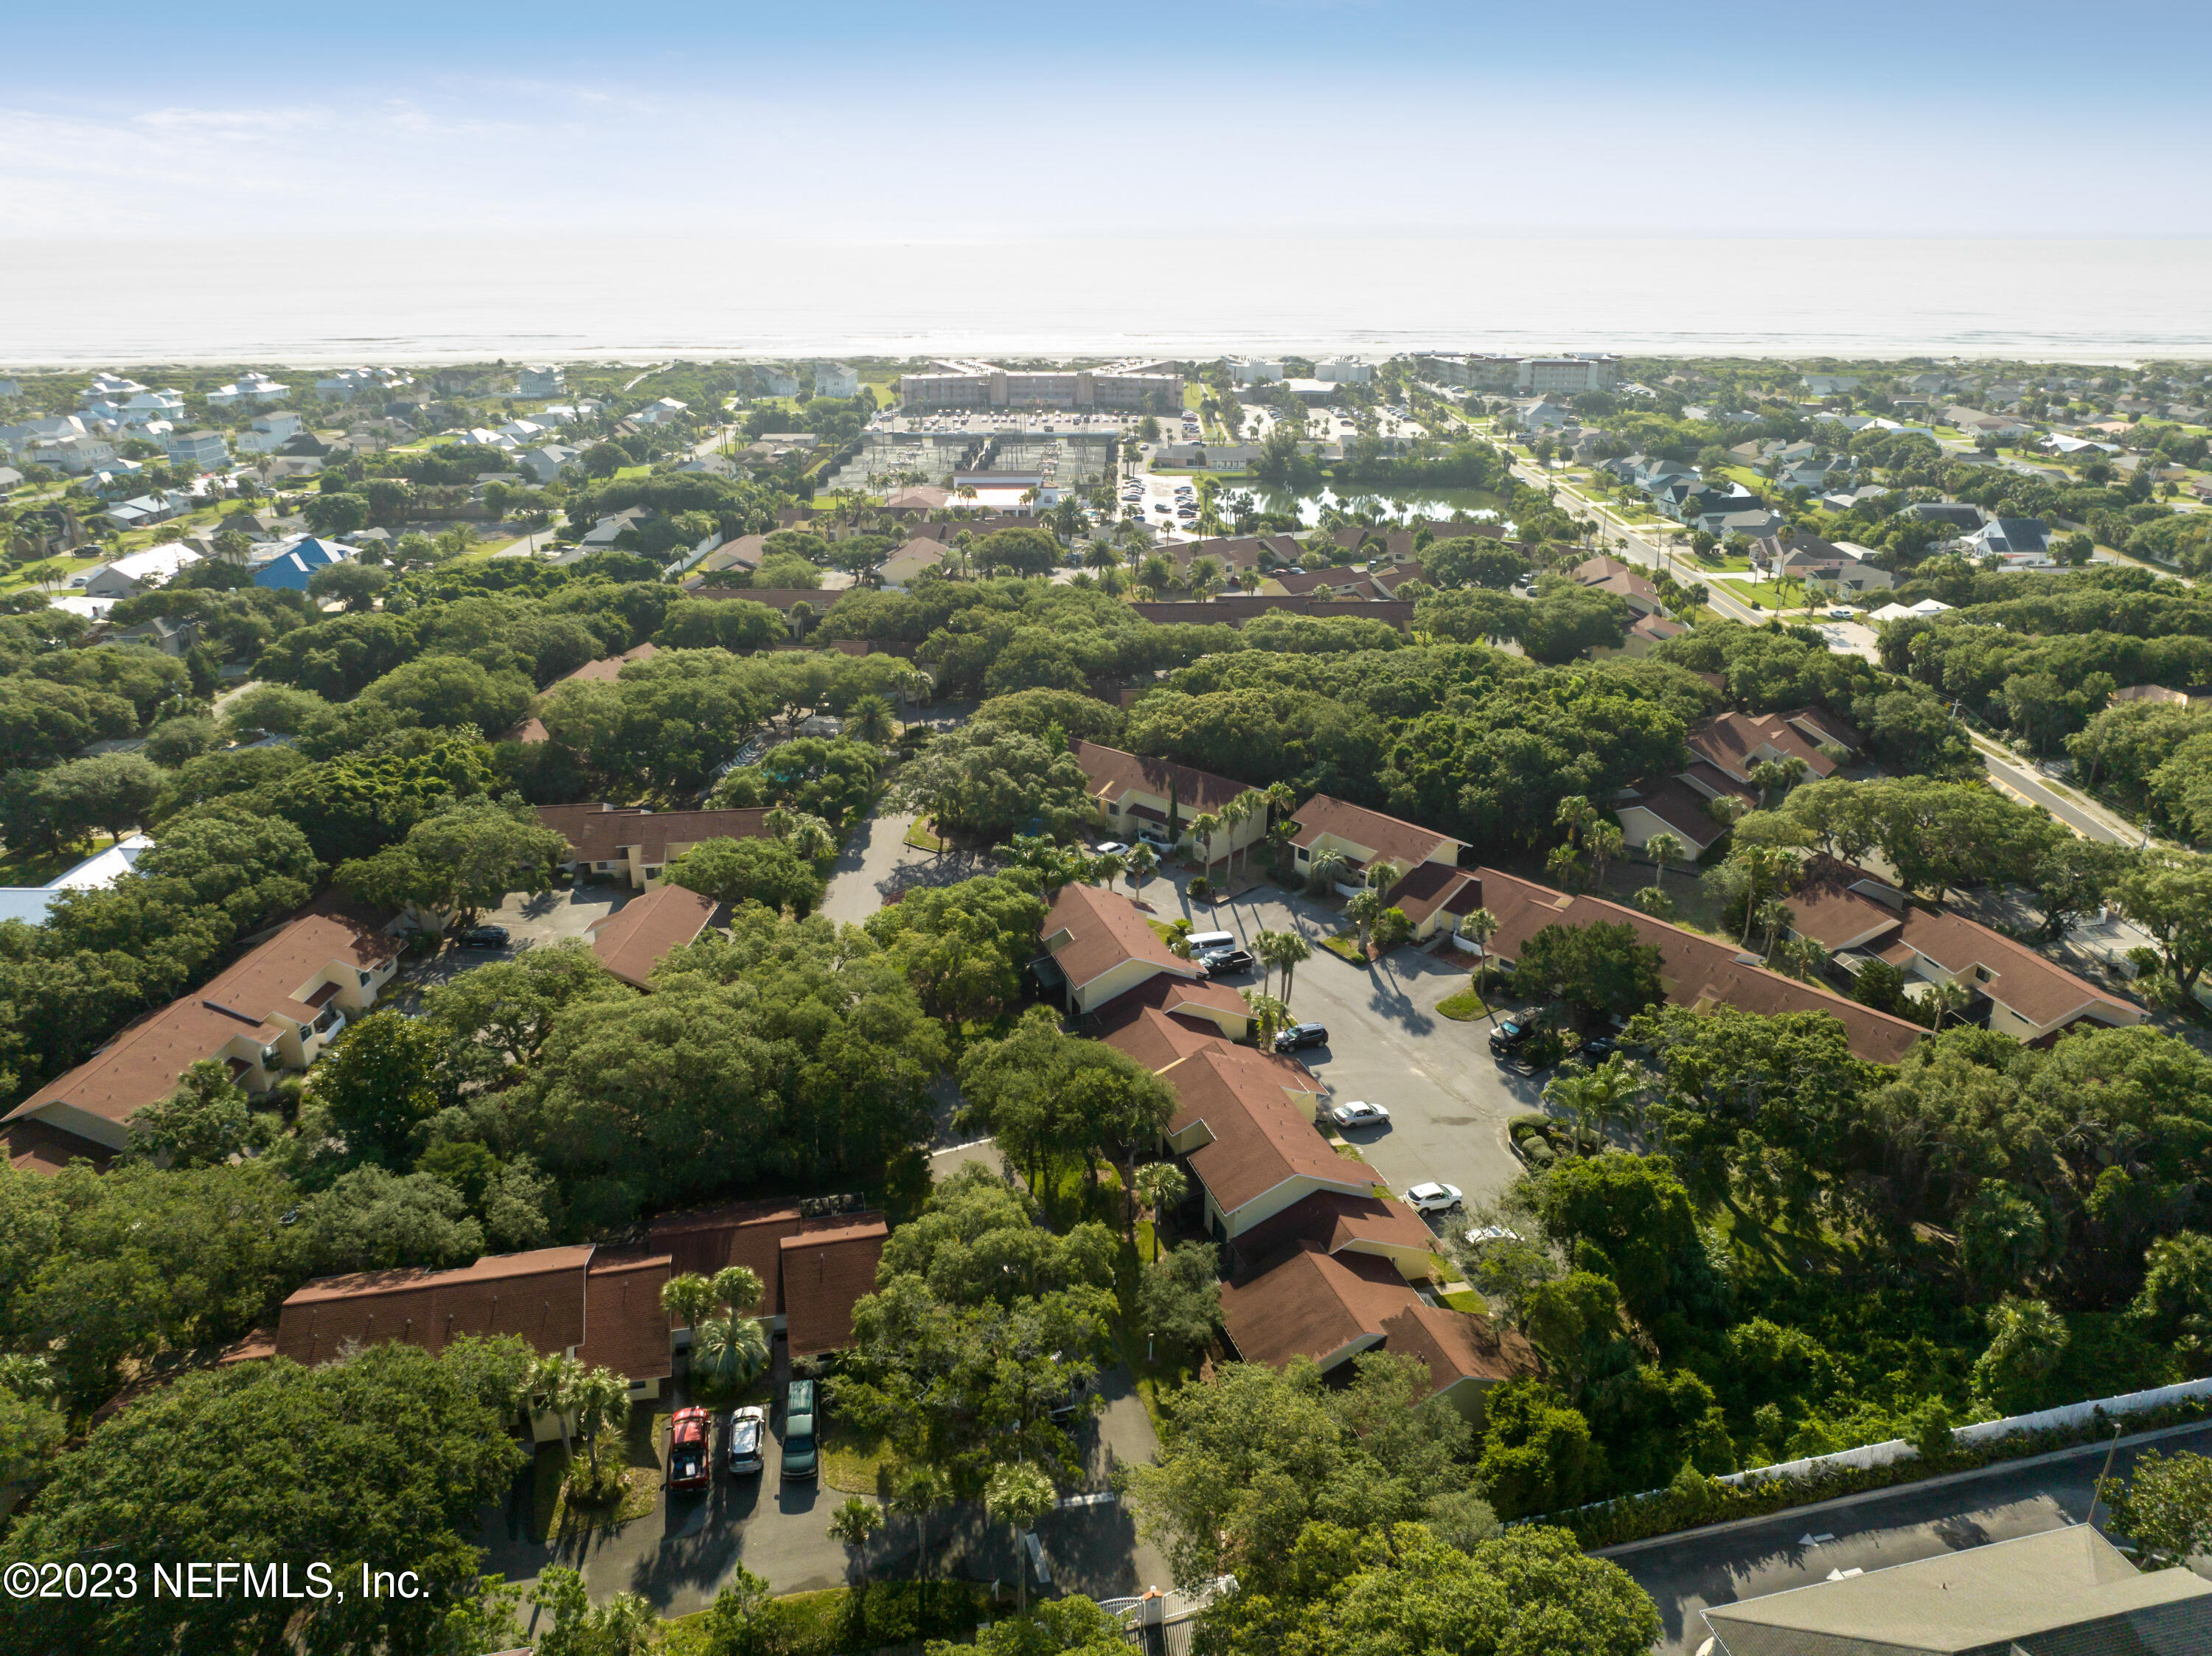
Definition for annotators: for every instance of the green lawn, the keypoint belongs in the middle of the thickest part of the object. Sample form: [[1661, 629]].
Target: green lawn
[[553, 1514], [1467, 1006], [1345, 947], [921, 838]]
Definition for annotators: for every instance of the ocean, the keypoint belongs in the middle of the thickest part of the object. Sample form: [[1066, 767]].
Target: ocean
[[629, 298]]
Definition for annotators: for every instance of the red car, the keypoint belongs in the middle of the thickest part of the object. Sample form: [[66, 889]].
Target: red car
[[690, 1466]]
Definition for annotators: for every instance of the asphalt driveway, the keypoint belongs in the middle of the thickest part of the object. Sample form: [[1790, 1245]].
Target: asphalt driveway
[[1449, 1099], [534, 920]]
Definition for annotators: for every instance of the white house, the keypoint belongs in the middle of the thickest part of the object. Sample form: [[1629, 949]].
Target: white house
[[204, 449], [111, 388], [270, 432], [30, 903], [775, 381], [73, 455], [248, 388], [135, 574], [659, 412], [1344, 371], [836, 379], [545, 462], [540, 380]]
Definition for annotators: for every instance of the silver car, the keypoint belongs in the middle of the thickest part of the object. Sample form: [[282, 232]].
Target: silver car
[[746, 1436]]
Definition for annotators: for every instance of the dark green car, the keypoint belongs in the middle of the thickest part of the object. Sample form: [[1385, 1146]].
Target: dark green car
[[801, 1457]]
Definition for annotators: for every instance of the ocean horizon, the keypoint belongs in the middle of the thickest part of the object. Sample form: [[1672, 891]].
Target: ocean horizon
[[89, 303]]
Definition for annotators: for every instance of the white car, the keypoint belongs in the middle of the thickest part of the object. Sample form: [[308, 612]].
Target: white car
[[1434, 1198], [748, 1432], [1360, 1113], [1108, 848]]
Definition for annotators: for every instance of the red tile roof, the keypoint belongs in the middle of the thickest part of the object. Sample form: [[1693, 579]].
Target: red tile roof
[[1698, 970], [1114, 774], [639, 935], [142, 1064], [824, 1272]]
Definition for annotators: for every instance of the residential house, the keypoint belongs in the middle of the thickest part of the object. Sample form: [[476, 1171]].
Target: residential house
[[659, 412], [72, 455], [1365, 837], [248, 388], [1623, 581], [903, 568], [836, 379], [270, 432], [539, 380], [144, 511], [2014, 540], [1827, 384], [137, 572], [204, 449], [775, 381], [290, 565], [545, 461], [1139, 797], [1645, 634], [597, 1302], [1544, 414], [813, 1266], [636, 845], [1698, 970], [2065, 1590], [1337, 581], [31, 903], [1921, 610], [1956, 515], [171, 636], [275, 1008], [1103, 963], [1654, 805], [637, 936], [1857, 917], [2161, 693]]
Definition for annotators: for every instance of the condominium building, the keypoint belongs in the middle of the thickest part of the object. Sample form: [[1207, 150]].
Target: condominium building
[[964, 385]]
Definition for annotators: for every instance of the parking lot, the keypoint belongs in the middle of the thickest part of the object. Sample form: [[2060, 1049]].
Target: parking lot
[[1449, 1099], [532, 921]]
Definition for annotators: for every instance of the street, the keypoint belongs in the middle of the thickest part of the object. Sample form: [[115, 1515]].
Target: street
[[1793, 1549]]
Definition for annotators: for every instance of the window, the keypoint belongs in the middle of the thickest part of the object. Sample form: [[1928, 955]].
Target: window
[[1304, 855]]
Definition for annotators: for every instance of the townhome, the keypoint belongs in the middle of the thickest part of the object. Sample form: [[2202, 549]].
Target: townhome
[[636, 846], [1321, 1266], [645, 931], [270, 432], [1364, 837], [137, 572], [203, 449], [1104, 963], [1611, 575], [275, 1008], [815, 1261], [1858, 917], [597, 1302], [1140, 797]]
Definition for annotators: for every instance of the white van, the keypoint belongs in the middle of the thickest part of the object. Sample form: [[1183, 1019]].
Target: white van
[[1201, 940]]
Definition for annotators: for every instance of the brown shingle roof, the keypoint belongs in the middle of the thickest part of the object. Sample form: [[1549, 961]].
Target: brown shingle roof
[[624, 1327], [141, 1065], [1698, 970], [824, 1272], [606, 670], [750, 1233], [1333, 1221], [1184, 997], [36, 1146], [1262, 1137], [1680, 806], [537, 1295], [2040, 990], [600, 835], [1403, 843], [1429, 887], [1114, 773], [638, 936], [1101, 931], [1611, 575], [1826, 909], [1313, 1304], [1457, 1347], [1728, 741]]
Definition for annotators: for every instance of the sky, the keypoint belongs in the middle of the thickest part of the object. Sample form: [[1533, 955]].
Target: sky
[[986, 121]]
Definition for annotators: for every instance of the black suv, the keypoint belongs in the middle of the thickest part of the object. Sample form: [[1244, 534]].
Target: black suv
[[1511, 1036], [1220, 960], [1299, 1035], [481, 937]]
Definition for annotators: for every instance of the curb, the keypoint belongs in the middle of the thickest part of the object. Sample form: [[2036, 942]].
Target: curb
[[2048, 1457]]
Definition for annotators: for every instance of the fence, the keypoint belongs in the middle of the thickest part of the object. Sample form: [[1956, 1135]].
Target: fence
[[1868, 1457]]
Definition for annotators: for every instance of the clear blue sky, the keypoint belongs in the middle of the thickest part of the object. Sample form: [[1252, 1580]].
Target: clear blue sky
[[870, 121]]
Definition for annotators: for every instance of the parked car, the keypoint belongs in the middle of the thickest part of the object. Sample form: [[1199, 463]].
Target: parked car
[[1108, 848], [1300, 1035], [1360, 1113], [481, 937], [801, 1457], [1597, 1049], [690, 1465], [1434, 1198], [1512, 1035], [747, 1438], [1227, 959]]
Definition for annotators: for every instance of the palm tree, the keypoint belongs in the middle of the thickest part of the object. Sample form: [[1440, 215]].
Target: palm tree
[[1948, 997], [1248, 804], [688, 1299], [1482, 926], [855, 1524], [921, 1490], [1382, 874], [1140, 863], [737, 1288], [1326, 868], [729, 1353], [1203, 827], [1108, 867], [1291, 952], [1605, 841], [1762, 866], [1662, 849], [1269, 1014], [1563, 866], [602, 1408], [870, 721], [1363, 908], [1018, 1496], [1774, 914], [1806, 958], [549, 1388], [1161, 1185], [1767, 776]]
